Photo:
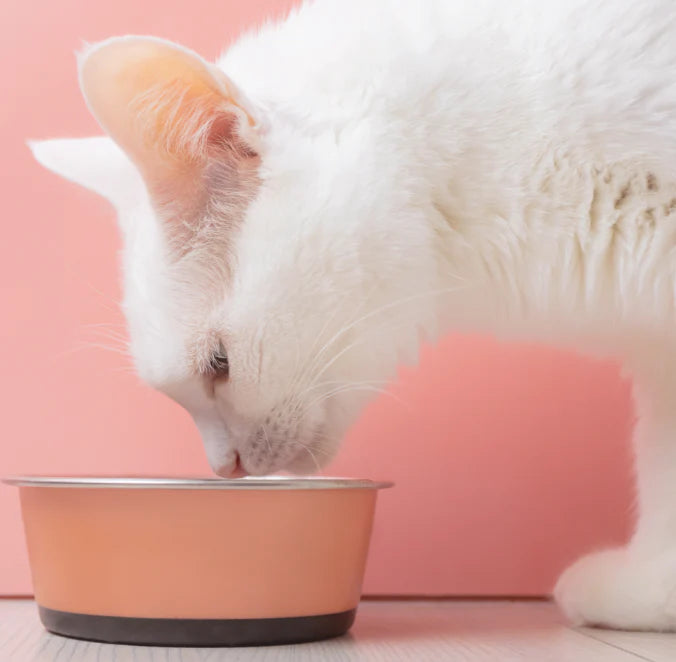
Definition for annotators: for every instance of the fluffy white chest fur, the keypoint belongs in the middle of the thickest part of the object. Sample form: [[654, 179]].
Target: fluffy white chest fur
[[366, 174]]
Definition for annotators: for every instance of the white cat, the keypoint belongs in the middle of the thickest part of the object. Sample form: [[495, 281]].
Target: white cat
[[370, 173]]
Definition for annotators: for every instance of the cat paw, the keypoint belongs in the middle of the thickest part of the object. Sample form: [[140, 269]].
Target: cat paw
[[621, 589]]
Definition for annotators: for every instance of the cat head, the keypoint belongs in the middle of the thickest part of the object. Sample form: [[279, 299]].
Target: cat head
[[263, 272]]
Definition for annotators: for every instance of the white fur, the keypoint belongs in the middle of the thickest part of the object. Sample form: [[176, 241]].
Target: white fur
[[431, 166]]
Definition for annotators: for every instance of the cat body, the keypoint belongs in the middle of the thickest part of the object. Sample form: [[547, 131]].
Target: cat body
[[366, 175]]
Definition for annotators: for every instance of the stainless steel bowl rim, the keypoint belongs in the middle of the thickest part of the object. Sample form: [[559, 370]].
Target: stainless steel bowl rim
[[175, 483]]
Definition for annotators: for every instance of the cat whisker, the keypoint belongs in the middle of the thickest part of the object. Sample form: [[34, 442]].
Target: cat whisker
[[358, 341], [112, 336], [94, 345], [337, 309], [318, 437], [377, 311], [348, 388], [339, 382], [306, 448], [267, 439], [107, 298], [126, 369], [312, 359], [108, 325]]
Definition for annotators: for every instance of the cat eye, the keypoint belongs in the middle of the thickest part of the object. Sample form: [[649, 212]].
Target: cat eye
[[219, 365]]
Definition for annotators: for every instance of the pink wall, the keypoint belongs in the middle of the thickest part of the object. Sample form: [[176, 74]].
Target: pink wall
[[509, 460]]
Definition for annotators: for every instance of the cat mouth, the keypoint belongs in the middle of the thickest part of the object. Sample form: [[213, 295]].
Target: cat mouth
[[232, 469], [294, 458], [239, 471]]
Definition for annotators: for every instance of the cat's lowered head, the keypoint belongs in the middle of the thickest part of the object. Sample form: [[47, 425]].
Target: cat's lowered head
[[274, 271]]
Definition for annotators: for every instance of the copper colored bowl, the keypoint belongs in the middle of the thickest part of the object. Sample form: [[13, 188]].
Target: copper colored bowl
[[197, 562]]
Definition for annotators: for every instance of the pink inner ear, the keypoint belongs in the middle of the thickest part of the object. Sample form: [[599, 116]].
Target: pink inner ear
[[182, 123], [165, 107]]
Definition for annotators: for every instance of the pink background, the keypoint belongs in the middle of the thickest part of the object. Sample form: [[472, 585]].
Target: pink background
[[509, 461]]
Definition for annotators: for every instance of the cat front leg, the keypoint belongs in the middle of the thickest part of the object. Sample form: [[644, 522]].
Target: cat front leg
[[635, 587]]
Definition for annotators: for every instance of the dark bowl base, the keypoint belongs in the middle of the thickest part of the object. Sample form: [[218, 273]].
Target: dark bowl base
[[197, 632]]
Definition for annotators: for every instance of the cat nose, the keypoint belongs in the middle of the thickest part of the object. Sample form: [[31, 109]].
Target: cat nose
[[223, 459], [232, 469]]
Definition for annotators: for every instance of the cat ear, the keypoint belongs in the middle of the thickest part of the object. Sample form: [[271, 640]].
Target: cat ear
[[96, 163], [173, 114]]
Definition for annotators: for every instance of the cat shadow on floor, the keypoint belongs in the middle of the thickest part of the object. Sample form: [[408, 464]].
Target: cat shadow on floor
[[423, 620]]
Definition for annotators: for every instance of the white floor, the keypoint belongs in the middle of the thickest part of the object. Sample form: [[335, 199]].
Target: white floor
[[415, 631]]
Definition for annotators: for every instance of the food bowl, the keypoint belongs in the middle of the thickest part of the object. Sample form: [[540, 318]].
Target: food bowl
[[197, 562]]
